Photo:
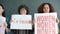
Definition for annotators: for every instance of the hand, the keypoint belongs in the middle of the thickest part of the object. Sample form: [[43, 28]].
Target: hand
[[31, 22], [57, 20], [7, 30]]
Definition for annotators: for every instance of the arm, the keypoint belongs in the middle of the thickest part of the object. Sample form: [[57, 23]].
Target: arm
[[5, 25]]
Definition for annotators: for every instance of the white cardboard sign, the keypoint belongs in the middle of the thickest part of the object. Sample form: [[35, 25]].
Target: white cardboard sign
[[19, 22], [45, 23]]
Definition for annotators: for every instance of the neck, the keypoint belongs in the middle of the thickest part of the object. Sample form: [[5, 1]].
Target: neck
[[23, 14], [0, 14]]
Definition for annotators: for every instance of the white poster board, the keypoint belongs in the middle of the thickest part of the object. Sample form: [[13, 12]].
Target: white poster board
[[45, 23], [21, 22]]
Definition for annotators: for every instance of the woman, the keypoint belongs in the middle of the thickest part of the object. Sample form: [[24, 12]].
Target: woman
[[47, 8], [3, 24], [23, 10]]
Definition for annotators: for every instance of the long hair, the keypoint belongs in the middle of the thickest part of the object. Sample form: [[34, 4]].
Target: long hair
[[40, 8], [3, 14]]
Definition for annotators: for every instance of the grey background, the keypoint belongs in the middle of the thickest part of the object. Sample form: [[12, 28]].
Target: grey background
[[11, 6]]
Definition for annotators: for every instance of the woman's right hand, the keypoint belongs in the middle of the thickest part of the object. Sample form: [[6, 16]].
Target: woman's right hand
[[11, 21]]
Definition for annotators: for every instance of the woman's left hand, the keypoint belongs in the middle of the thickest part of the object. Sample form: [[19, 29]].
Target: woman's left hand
[[57, 20]]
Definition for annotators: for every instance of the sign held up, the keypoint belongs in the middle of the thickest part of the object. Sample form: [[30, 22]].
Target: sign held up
[[21, 22], [46, 23]]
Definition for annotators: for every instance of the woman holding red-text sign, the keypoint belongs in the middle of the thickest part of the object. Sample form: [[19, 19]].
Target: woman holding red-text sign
[[46, 8]]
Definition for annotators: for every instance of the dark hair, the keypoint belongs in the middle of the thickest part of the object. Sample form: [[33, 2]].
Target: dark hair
[[23, 6], [40, 8], [3, 14]]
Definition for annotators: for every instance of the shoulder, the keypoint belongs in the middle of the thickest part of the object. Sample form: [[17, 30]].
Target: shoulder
[[4, 18]]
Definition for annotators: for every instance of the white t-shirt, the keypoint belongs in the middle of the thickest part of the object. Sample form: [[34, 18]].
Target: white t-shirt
[[2, 21]]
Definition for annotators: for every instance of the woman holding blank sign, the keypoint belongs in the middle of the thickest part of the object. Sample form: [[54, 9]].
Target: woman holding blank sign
[[23, 10]]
